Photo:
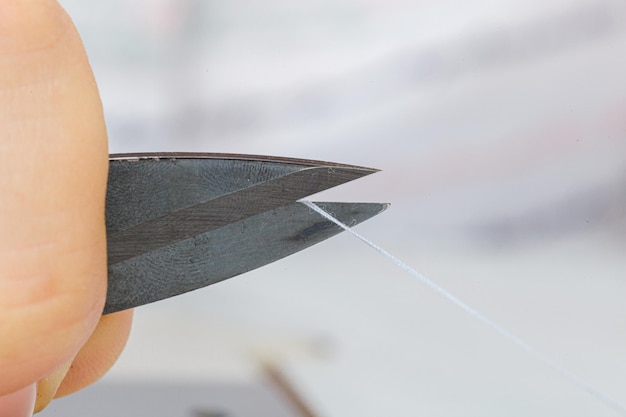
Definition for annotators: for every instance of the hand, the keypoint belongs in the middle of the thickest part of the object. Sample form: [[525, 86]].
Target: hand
[[53, 171]]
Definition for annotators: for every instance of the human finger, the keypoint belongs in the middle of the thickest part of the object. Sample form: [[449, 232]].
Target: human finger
[[53, 170], [99, 354], [19, 403]]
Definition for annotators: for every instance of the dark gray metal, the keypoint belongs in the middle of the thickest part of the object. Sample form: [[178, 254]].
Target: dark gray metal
[[176, 223], [223, 253], [155, 201]]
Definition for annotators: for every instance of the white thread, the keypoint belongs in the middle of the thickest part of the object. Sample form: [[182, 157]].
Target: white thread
[[577, 380]]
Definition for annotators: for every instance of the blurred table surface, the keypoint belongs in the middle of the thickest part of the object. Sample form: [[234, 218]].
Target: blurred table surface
[[178, 400]]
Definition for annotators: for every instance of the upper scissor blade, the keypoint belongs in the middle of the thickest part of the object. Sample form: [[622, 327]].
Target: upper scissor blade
[[156, 200]]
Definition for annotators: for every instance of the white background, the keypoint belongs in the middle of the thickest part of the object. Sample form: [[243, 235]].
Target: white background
[[500, 127]]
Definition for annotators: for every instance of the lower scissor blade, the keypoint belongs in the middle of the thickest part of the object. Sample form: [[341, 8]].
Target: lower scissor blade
[[223, 253]]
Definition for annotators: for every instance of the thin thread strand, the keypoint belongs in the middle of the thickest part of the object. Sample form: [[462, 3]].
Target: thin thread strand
[[573, 377]]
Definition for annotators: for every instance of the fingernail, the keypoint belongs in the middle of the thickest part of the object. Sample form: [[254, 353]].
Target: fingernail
[[48, 386], [20, 403]]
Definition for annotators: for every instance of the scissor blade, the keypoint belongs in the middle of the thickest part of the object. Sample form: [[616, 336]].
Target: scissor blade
[[225, 252], [155, 201]]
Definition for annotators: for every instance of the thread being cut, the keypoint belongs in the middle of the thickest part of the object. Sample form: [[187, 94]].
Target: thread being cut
[[566, 373]]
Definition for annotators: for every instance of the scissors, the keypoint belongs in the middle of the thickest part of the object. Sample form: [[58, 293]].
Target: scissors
[[177, 222]]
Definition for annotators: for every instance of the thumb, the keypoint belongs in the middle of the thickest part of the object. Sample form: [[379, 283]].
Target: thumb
[[53, 169]]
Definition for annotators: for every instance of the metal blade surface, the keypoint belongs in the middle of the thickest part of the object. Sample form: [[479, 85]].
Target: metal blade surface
[[156, 200], [225, 252]]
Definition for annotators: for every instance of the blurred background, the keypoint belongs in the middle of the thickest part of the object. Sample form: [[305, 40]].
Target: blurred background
[[500, 127]]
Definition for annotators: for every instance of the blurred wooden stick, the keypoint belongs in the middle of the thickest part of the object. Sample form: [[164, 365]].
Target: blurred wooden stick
[[286, 388]]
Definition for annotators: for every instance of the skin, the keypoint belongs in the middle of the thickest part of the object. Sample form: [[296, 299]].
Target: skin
[[53, 171]]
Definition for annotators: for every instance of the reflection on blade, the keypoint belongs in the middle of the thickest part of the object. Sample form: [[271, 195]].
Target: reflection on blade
[[225, 252]]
